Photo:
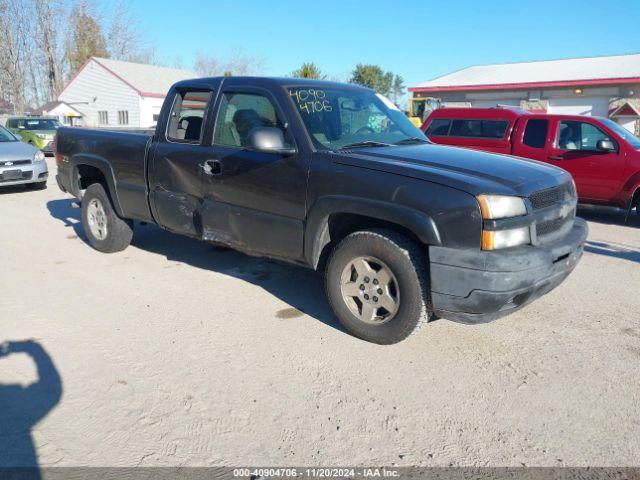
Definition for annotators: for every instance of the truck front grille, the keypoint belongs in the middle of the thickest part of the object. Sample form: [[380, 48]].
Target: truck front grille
[[551, 226], [551, 196], [554, 210]]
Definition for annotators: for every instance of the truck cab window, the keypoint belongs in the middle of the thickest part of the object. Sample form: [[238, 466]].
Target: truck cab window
[[493, 129], [439, 127], [239, 113], [187, 116], [535, 133], [574, 135]]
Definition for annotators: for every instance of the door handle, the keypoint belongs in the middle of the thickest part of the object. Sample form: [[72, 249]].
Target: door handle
[[212, 167], [556, 157]]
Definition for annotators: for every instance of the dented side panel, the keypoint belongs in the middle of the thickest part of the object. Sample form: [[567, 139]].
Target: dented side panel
[[175, 181]]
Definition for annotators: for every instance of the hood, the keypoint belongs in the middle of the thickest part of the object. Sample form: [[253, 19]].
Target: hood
[[10, 151], [48, 133], [468, 170]]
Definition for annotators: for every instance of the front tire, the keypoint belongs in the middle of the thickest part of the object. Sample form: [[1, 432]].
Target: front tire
[[377, 285], [106, 231]]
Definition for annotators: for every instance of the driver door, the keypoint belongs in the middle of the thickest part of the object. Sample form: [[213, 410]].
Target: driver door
[[597, 174], [253, 200]]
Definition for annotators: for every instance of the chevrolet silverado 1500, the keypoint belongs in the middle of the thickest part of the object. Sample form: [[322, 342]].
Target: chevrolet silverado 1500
[[333, 176]]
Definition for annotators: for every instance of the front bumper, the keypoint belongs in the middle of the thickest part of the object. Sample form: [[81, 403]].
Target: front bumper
[[29, 173], [476, 286]]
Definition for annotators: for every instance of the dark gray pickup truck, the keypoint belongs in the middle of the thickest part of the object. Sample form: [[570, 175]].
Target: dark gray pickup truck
[[333, 176]]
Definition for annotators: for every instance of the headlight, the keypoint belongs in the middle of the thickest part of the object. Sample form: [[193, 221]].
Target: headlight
[[494, 207], [494, 240], [38, 157]]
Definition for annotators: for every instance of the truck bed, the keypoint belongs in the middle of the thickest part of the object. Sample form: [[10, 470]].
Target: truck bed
[[121, 156]]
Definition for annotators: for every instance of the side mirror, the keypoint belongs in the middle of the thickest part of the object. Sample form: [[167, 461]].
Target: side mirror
[[269, 140], [605, 146]]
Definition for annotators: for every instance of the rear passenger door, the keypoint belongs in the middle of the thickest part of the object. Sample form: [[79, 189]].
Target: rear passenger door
[[532, 138], [175, 174]]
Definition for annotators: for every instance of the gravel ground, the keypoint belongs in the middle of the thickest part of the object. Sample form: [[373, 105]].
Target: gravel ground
[[176, 353]]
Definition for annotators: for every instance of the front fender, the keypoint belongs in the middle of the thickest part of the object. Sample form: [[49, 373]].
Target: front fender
[[630, 187], [317, 231]]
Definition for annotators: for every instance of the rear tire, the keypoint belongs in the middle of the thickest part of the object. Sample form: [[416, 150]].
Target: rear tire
[[106, 231], [377, 284], [36, 185]]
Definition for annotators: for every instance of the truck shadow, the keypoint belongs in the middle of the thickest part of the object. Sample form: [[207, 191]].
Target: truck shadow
[[608, 216], [301, 288], [612, 249]]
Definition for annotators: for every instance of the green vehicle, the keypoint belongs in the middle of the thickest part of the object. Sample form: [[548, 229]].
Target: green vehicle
[[37, 131]]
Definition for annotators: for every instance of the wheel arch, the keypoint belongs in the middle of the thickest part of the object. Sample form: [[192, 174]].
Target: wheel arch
[[634, 198], [87, 169], [334, 217]]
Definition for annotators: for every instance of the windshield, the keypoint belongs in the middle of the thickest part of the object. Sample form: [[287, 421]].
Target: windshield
[[337, 118], [623, 132], [5, 136], [41, 124]]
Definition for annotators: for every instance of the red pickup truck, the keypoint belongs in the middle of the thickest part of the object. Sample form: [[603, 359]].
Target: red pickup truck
[[602, 156]]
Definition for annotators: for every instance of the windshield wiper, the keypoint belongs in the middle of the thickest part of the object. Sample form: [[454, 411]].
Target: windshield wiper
[[367, 143], [408, 141]]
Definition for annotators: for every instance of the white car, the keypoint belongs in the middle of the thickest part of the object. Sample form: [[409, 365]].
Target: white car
[[20, 163]]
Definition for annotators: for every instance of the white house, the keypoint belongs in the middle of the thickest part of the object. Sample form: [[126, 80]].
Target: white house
[[113, 93], [603, 86], [66, 114]]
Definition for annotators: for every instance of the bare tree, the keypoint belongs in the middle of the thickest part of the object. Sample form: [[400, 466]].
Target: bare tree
[[43, 42], [235, 64], [125, 40], [208, 66], [49, 42], [13, 52]]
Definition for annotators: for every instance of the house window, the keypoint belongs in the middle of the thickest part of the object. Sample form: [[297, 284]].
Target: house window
[[123, 117], [103, 117]]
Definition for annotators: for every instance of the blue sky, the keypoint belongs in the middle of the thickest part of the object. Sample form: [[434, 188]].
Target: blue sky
[[416, 39]]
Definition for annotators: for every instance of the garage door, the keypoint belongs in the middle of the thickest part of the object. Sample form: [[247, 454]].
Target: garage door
[[579, 106]]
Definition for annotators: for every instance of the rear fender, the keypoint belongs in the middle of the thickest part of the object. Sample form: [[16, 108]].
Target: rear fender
[[107, 172]]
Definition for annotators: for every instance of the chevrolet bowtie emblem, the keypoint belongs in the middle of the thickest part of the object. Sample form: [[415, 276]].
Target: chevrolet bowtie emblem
[[565, 210]]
